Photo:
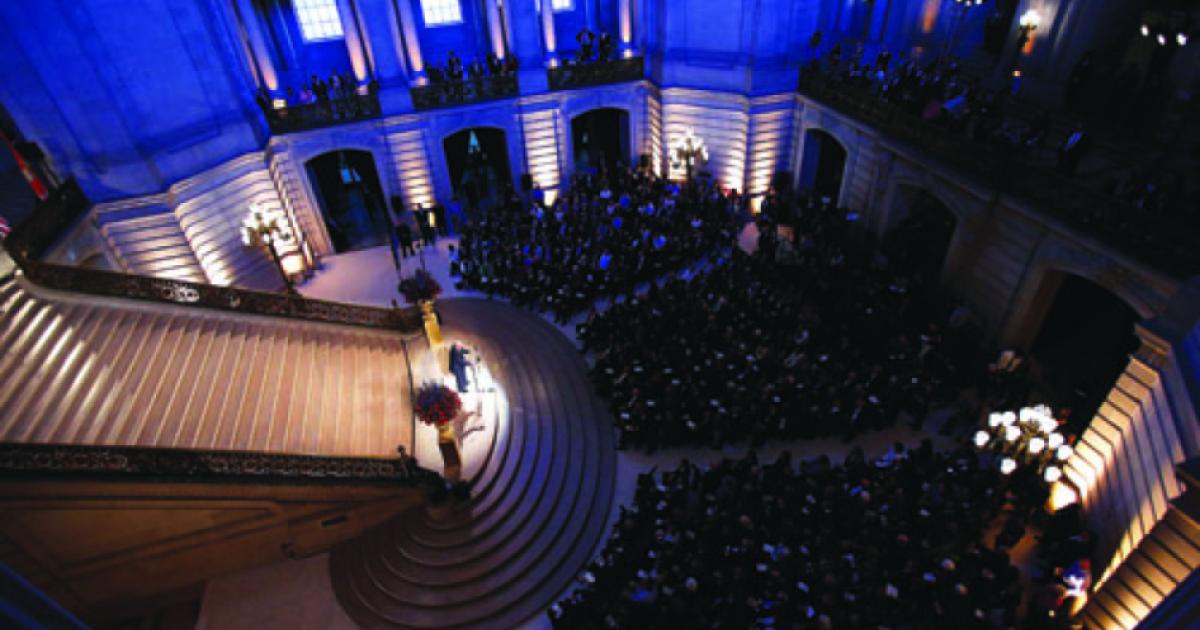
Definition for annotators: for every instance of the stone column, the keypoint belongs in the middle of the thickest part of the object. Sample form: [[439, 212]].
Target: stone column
[[252, 23], [496, 28], [354, 42], [625, 21], [412, 45], [548, 39]]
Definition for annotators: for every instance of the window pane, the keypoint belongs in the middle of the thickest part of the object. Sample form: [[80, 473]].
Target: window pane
[[439, 12], [318, 19]]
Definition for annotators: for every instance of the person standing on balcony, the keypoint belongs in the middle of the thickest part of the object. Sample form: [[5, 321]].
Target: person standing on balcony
[[607, 46], [475, 72], [586, 39], [454, 69]]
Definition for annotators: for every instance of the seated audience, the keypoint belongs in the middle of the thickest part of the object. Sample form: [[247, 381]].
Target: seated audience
[[602, 238], [750, 545], [835, 342]]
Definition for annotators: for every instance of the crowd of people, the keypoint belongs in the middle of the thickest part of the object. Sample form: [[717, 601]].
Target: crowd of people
[[605, 236], [456, 83], [835, 342], [895, 542], [593, 49], [335, 97]]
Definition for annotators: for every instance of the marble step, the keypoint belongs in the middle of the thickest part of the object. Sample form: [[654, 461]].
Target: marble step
[[539, 508]]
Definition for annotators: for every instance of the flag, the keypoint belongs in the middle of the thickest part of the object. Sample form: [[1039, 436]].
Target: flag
[[35, 182]]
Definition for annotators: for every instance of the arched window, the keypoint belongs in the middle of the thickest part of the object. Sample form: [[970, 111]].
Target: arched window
[[441, 12], [319, 20]]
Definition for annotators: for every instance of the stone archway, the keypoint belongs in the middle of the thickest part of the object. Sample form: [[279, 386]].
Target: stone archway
[[1079, 337], [600, 137], [919, 230], [346, 186], [823, 164], [477, 162]]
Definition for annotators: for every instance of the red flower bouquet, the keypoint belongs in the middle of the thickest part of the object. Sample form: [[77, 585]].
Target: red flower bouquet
[[437, 404], [420, 287]]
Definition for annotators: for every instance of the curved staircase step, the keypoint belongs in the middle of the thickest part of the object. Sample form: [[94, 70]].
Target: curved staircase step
[[539, 505]]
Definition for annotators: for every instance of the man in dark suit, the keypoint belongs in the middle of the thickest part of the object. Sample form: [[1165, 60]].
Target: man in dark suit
[[458, 366], [405, 237]]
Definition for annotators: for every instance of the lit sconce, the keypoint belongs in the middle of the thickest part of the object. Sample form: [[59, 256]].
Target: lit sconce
[[1037, 445], [1012, 433], [1162, 39], [995, 419], [1061, 495], [1052, 474], [1054, 440], [1029, 22], [1145, 30], [270, 230], [982, 438], [1181, 39], [1008, 465], [1064, 452]]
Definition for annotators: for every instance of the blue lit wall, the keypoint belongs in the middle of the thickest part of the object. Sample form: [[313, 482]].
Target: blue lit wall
[[297, 60], [134, 96], [127, 100], [468, 40], [598, 15]]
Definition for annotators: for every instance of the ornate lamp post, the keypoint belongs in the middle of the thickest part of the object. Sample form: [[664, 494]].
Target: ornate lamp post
[[271, 231], [1026, 26], [686, 150]]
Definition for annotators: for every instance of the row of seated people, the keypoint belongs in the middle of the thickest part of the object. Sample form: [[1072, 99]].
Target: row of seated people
[[938, 92], [834, 344], [941, 93], [891, 543], [608, 234]]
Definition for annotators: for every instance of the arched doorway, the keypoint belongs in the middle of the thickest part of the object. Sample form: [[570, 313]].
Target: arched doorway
[[600, 140], [1082, 344], [920, 228], [347, 188], [477, 159], [822, 164]]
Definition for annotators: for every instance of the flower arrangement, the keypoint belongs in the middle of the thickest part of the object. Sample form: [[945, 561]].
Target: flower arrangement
[[437, 404], [420, 287]]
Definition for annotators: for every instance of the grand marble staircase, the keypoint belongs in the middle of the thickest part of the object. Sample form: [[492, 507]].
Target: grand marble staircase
[[538, 506], [80, 369]]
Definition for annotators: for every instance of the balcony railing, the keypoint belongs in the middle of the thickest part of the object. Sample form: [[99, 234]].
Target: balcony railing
[[204, 465], [1167, 244], [316, 115], [453, 93], [30, 240], [577, 75]]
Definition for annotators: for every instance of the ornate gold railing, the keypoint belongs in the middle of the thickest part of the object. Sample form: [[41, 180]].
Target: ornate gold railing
[[317, 115], [572, 75], [1167, 244], [454, 93], [31, 239], [195, 465]]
